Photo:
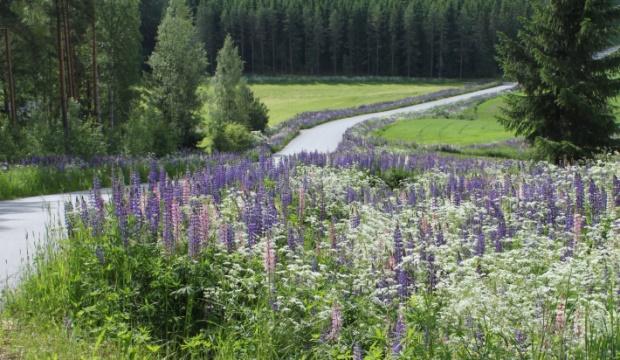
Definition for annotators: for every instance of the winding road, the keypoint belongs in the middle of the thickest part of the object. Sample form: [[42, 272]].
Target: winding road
[[24, 222]]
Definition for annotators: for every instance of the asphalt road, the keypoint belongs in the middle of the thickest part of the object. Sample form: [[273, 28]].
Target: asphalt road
[[326, 137]]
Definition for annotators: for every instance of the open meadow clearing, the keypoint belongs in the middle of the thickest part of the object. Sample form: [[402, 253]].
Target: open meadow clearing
[[285, 100], [475, 125], [287, 97]]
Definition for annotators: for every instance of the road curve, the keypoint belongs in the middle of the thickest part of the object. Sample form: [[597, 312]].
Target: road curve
[[24, 222], [326, 137]]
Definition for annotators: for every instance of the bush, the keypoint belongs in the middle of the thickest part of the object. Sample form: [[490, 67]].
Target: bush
[[258, 114], [236, 137], [147, 132]]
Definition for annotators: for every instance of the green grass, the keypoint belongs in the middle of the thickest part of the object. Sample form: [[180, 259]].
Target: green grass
[[476, 125], [287, 98]]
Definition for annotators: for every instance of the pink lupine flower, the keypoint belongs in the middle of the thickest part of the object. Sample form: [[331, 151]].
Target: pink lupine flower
[[269, 258], [204, 222], [185, 190], [176, 220], [336, 323], [302, 202], [560, 317]]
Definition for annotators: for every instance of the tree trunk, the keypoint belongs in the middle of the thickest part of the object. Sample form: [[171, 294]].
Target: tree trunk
[[10, 80], [61, 74], [94, 65], [69, 52]]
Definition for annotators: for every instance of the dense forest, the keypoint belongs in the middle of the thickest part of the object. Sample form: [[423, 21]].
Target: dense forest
[[421, 38]]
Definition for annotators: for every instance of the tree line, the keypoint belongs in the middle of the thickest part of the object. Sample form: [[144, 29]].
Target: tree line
[[420, 38]]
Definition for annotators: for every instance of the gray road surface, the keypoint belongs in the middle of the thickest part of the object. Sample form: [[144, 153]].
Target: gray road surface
[[24, 224]]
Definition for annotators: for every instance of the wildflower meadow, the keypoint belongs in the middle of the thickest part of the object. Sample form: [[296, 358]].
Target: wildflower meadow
[[352, 255]]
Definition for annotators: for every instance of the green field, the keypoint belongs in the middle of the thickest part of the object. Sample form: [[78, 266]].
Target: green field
[[476, 125], [285, 100]]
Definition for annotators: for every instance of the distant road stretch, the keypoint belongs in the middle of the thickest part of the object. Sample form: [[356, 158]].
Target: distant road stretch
[[326, 137]]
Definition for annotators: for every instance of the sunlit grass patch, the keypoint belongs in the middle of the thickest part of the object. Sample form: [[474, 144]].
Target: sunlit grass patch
[[476, 125]]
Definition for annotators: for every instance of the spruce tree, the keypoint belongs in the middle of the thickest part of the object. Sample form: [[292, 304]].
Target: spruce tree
[[564, 107], [233, 106], [179, 64]]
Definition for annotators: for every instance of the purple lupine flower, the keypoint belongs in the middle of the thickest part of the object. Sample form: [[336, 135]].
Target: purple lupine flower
[[97, 200], [230, 237], [351, 196], [194, 233], [497, 241], [286, 198], [153, 210], [398, 245], [579, 194], [400, 274], [400, 329], [357, 352], [480, 244], [439, 238], [593, 198], [153, 176], [69, 222], [135, 196], [521, 339], [291, 241], [168, 226], [99, 253], [255, 222], [84, 212], [355, 220], [616, 191], [432, 275]]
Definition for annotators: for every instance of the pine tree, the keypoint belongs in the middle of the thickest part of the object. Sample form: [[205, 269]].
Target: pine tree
[[179, 64], [564, 109]]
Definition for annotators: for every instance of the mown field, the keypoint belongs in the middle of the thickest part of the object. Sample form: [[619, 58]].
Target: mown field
[[287, 99], [474, 126]]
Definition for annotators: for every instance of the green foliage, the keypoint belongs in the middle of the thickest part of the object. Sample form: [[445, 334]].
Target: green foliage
[[227, 84], [564, 109], [235, 138], [179, 63], [149, 133], [119, 60], [258, 114], [233, 111]]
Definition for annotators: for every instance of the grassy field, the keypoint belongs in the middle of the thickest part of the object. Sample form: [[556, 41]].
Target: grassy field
[[285, 99], [476, 125]]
